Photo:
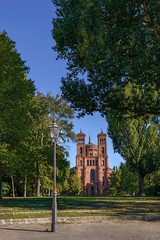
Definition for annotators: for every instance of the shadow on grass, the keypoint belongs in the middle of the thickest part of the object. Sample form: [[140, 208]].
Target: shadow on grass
[[82, 203]]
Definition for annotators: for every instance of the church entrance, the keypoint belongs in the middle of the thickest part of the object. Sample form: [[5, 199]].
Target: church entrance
[[92, 191]]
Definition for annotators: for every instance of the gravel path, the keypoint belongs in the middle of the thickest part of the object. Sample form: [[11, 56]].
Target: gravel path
[[116, 230]]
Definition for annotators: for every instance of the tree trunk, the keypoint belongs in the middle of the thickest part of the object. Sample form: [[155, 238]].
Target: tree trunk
[[38, 186], [1, 190], [141, 183], [13, 192], [49, 192], [38, 180], [25, 187]]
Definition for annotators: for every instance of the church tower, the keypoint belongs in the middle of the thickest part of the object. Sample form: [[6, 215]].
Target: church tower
[[92, 164]]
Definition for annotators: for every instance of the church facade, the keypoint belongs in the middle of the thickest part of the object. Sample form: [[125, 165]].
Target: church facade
[[92, 164]]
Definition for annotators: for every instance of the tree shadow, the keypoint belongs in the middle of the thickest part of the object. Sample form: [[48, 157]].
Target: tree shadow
[[23, 230]]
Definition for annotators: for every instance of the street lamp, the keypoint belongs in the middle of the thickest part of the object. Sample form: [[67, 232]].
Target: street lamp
[[54, 133]]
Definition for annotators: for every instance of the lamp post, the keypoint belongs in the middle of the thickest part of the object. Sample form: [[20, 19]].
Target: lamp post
[[54, 133]]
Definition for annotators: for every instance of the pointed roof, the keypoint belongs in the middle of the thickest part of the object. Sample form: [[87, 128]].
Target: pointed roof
[[90, 144], [102, 133], [81, 132]]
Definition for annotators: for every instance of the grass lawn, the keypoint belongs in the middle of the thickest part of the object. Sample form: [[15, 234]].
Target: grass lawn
[[79, 206]]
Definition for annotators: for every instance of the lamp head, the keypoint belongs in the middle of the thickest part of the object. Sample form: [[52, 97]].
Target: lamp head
[[54, 130]]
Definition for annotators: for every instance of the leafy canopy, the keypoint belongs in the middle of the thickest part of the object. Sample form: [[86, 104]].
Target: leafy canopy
[[16, 92], [113, 43]]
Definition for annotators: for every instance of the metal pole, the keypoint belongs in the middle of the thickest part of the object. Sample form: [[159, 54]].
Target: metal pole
[[54, 203]]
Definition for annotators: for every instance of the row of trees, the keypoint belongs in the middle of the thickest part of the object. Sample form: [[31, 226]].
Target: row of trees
[[26, 150], [116, 45], [125, 182]]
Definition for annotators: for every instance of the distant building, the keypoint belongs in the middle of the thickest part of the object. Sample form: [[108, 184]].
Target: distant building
[[92, 164]]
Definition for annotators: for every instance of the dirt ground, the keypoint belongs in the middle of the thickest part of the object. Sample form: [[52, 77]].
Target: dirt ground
[[90, 231]]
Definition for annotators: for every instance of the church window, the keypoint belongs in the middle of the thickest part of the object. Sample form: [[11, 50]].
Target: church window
[[81, 162], [102, 150], [87, 162], [92, 175], [81, 150], [93, 162], [81, 141], [102, 162], [90, 162]]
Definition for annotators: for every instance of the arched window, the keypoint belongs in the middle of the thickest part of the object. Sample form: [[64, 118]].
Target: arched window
[[92, 175], [102, 150], [102, 162], [81, 150]]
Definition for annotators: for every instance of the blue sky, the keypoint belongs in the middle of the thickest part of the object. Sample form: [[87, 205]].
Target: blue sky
[[29, 24]]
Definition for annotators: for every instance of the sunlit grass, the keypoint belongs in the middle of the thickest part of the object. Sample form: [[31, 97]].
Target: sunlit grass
[[72, 206]]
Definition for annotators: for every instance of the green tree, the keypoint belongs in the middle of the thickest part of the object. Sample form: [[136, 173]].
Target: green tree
[[137, 141], [46, 109], [152, 183], [113, 43], [114, 181], [75, 184], [15, 98], [37, 150], [129, 180]]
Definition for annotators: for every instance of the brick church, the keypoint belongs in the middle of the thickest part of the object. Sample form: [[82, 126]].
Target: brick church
[[92, 164]]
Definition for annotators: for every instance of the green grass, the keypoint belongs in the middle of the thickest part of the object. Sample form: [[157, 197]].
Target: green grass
[[69, 206]]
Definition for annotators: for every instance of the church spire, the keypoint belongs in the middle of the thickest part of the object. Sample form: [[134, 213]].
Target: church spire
[[89, 138]]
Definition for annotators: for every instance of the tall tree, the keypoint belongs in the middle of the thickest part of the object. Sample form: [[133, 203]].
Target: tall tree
[[113, 43], [45, 109], [137, 141], [15, 97]]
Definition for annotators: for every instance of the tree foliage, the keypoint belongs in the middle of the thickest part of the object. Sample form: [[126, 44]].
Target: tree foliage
[[152, 183], [113, 43], [26, 150], [129, 180], [15, 101], [137, 141], [16, 92], [75, 184], [123, 181], [114, 182]]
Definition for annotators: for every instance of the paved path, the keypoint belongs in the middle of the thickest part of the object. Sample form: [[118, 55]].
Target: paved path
[[88, 231]]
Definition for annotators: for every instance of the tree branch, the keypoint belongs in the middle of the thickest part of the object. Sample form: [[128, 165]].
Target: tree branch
[[145, 8]]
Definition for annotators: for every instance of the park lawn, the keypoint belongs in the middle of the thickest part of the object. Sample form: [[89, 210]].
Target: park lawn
[[73, 206]]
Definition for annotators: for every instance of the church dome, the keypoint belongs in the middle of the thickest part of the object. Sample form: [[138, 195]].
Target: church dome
[[90, 144]]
